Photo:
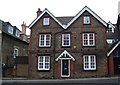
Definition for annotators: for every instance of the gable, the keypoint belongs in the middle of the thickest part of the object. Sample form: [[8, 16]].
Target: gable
[[91, 13], [65, 55], [65, 26], [79, 22], [42, 14]]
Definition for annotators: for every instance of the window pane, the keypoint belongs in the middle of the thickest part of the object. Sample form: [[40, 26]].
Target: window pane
[[46, 65], [41, 65], [92, 62], [47, 40], [86, 20], [43, 62], [86, 62], [88, 39], [47, 59], [85, 39], [66, 39], [41, 40], [89, 62], [41, 59], [10, 29], [46, 21], [91, 39], [40, 62]]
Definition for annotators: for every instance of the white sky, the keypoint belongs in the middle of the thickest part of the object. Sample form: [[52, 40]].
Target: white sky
[[17, 11]]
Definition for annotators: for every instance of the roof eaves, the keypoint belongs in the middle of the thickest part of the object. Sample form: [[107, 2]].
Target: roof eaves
[[113, 48]]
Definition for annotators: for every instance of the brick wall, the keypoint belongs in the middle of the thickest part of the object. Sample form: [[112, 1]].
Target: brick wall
[[76, 30]]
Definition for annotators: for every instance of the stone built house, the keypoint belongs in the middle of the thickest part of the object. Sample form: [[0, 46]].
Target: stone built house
[[68, 47], [14, 45]]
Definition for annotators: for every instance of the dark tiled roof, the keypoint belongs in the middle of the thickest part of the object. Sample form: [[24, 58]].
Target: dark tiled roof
[[5, 26], [65, 20]]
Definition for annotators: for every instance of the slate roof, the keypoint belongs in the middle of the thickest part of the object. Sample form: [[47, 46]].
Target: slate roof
[[65, 20], [5, 26]]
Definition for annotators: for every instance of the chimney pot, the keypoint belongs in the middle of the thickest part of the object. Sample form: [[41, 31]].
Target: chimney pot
[[39, 12]]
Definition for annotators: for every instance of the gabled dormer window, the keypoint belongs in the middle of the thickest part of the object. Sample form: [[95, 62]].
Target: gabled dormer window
[[86, 20], [46, 21], [10, 29], [111, 28], [17, 33]]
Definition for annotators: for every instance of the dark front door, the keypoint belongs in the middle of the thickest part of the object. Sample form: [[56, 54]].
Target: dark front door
[[65, 68]]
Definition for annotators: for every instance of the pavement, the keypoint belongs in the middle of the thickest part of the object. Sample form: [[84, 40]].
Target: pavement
[[81, 80]]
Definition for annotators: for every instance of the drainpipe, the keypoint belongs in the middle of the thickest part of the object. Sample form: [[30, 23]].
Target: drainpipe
[[107, 56], [54, 50]]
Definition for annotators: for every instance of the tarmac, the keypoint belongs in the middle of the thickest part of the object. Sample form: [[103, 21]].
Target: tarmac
[[81, 80]]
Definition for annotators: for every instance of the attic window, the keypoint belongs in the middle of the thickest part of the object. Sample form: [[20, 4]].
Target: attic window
[[110, 30], [86, 20], [10, 29], [45, 21], [17, 33]]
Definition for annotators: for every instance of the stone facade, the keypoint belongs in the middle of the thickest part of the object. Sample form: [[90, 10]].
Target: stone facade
[[76, 49], [9, 43]]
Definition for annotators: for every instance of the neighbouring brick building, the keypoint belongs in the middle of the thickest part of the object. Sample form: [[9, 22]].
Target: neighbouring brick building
[[14, 45], [68, 47]]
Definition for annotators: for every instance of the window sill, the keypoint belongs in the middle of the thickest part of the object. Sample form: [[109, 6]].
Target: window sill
[[89, 46], [45, 47], [89, 69], [65, 46], [43, 70]]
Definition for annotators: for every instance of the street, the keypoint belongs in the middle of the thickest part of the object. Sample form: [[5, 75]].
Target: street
[[86, 81]]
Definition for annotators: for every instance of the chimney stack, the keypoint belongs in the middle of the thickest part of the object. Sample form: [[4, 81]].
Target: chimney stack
[[24, 28], [118, 7], [23, 35], [38, 12]]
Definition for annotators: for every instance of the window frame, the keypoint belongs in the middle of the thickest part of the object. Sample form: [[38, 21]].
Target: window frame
[[110, 30], [89, 62], [88, 39], [44, 21], [17, 33], [110, 41], [10, 29], [43, 62], [84, 20], [15, 54], [45, 40], [63, 35]]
